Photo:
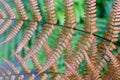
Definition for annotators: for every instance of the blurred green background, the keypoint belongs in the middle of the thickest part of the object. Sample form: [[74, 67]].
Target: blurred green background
[[103, 11]]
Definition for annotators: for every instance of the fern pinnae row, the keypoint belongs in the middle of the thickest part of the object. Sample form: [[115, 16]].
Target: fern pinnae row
[[66, 36], [114, 62], [36, 12], [8, 9], [5, 26], [7, 72], [91, 66], [14, 69], [20, 9], [13, 32], [32, 26]]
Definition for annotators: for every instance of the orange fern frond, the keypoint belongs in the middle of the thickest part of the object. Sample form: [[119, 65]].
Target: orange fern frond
[[114, 61], [113, 30], [50, 11], [13, 32], [35, 10], [20, 9], [5, 25], [95, 73], [32, 26], [8, 9], [66, 36], [7, 72], [90, 16], [14, 69]]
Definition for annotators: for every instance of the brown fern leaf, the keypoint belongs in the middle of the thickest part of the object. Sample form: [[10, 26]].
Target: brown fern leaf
[[8, 9], [50, 11], [14, 69], [32, 26], [47, 29], [90, 25], [13, 32], [20, 9], [95, 72], [113, 23], [35, 60], [11, 14], [41, 37], [90, 16], [114, 62], [66, 36], [35, 10], [25, 68], [72, 73], [5, 25], [37, 65], [7, 73]]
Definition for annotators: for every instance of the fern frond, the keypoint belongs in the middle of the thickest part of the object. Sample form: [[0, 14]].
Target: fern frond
[[47, 29], [5, 25], [65, 36], [90, 16], [50, 11], [14, 69], [20, 9], [35, 60], [114, 62], [113, 23], [41, 37], [7, 72], [35, 10], [32, 26], [8, 9], [13, 32], [95, 73]]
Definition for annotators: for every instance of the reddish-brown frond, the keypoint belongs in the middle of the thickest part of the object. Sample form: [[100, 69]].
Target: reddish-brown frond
[[20, 9], [14, 69], [35, 10], [115, 62], [65, 35], [13, 32], [32, 26], [95, 73], [113, 23]]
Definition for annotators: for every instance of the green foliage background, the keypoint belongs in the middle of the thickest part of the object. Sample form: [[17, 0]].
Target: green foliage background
[[103, 11]]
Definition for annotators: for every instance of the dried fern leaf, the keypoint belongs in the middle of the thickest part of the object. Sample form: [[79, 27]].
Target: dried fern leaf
[[5, 25], [113, 23], [90, 16], [35, 60], [8, 9], [35, 10], [47, 29], [14, 69], [24, 66], [13, 32], [43, 35], [114, 62], [7, 72], [50, 11], [32, 26], [65, 37], [20, 9], [93, 69]]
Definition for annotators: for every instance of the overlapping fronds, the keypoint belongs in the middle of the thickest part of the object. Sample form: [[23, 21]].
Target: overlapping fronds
[[96, 55]]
